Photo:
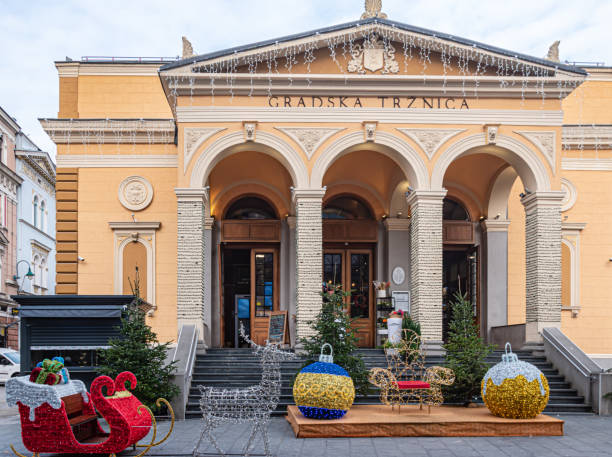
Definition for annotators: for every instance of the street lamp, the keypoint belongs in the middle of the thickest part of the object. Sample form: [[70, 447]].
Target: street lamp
[[28, 275]]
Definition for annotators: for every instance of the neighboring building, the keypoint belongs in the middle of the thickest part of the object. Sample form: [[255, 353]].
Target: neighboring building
[[9, 184], [368, 150], [35, 218]]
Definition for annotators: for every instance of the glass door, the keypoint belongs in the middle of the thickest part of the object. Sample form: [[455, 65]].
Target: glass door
[[264, 290], [353, 269]]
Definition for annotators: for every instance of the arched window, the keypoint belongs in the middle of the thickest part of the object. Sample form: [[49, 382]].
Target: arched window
[[250, 208], [346, 208], [42, 215], [454, 211], [35, 212]]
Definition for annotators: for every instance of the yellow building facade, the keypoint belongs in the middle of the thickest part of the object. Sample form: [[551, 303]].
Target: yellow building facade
[[239, 182]]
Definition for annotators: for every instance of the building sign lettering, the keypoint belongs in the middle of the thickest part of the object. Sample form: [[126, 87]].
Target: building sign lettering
[[356, 102]]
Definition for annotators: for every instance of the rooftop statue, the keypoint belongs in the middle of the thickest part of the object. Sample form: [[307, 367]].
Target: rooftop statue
[[553, 52], [187, 49], [372, 9]]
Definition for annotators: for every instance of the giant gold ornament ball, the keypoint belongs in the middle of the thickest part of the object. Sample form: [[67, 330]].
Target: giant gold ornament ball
[[516, 398]]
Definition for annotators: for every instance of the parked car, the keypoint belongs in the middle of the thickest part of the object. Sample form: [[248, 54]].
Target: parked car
[[9, 364]]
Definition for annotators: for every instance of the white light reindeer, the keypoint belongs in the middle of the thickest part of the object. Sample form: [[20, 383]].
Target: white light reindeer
[[253, 404]]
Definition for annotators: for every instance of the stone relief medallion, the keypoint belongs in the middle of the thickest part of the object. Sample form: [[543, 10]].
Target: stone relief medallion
[[571, 194], [135, 193]]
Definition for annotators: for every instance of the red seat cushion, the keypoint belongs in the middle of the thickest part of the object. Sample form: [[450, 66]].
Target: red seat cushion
[[403, 385]]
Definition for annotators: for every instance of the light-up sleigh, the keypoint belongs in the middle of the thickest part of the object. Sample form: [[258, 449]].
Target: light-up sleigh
[[63, 418]]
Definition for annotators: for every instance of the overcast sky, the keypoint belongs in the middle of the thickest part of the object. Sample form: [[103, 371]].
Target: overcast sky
[[35, 33]]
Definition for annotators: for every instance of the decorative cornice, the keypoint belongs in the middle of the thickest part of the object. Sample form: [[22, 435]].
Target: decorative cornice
[[382, 115], [587, 137], [393, 224], [569, 227], [430, 139], [308, 194], [545, 141], [110, 131], [134, 226], [190, 194], [551, 198], [425, 196], [75, 69], [495, 225], [585, 164], [117, 161], [309, 138], [193, 138]]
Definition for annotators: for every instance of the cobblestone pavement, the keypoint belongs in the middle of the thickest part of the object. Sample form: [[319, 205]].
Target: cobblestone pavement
[[585, 436]]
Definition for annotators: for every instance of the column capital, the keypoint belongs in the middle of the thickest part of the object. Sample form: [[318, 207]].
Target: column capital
[[190, 194], [308, 194], [495, 225], [209, 222], [396, 224], [544, 198], [422, 196], [291, 220]]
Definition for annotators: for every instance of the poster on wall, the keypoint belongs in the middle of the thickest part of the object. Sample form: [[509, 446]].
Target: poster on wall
[[402, 300]]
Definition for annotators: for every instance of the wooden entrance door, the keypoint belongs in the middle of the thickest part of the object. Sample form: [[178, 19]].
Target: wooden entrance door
[[353, 269], [264, 290]]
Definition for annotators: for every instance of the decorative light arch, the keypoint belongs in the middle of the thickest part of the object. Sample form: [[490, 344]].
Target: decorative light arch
[[527, 164], [266, 143], [390, 145]]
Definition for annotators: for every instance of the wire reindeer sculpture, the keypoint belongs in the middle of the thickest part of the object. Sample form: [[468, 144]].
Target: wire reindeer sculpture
[[253, 404]]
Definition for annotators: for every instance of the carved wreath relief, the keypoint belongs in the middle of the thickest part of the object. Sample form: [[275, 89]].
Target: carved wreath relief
[[373, 55], [135, 193]]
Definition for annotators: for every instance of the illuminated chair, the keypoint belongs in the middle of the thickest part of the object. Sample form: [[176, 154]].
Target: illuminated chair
[[406, 380]]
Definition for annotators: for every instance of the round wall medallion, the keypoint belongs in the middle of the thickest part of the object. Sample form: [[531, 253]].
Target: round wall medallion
[[571, 194], [135, 193], [399, 275]]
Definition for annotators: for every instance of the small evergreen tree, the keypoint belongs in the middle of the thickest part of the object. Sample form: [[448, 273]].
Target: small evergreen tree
[[465, 353], [139, 351], [334, 326]]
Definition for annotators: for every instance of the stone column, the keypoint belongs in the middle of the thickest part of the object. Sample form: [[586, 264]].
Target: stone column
[[291, 265], [543, 258], [426, 264], [193, 260], [495, 272], [309, 257]]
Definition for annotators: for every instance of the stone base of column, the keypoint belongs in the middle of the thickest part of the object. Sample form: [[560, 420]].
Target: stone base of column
[[533, 330], [199, 324], [433, 348]]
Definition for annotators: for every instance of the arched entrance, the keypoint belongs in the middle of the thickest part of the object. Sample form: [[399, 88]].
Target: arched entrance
[[460, 260], [350, 234], [249, 267]]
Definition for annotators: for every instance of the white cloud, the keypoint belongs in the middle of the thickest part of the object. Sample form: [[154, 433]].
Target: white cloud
[[38, 32]]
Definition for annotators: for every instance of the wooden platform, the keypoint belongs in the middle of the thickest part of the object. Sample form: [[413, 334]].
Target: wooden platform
[[380, 421]]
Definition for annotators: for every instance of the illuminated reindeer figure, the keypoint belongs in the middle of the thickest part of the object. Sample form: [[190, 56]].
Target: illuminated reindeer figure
[[252, 404]]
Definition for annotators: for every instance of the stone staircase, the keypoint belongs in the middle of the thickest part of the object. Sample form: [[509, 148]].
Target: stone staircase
[[239, 368]]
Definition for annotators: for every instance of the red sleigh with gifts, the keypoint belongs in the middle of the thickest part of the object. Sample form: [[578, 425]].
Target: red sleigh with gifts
[[63, 418]]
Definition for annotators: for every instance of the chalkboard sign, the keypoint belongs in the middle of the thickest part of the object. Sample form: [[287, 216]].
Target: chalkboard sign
[[277, 327]]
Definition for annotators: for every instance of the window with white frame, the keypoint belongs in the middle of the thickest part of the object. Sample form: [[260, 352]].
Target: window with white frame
[[3, 210], [35, 211], [44, 273], [43, 221], [3, 149]]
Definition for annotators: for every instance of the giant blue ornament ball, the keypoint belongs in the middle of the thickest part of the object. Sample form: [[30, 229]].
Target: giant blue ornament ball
[[323, 390]]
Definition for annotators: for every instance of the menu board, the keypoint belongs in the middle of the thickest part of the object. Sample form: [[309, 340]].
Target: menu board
[[277, 327], [402, 300]]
